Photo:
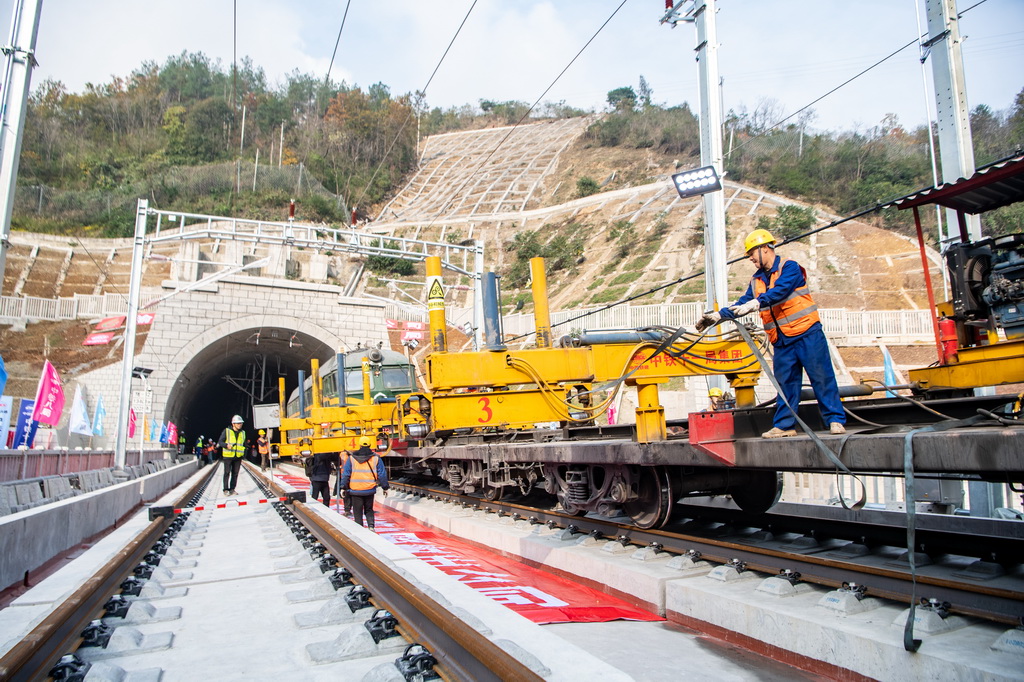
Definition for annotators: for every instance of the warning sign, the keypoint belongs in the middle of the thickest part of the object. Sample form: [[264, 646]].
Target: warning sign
[[435, 293]]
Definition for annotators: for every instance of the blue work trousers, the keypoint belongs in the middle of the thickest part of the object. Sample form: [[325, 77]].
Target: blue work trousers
[[809, 353]]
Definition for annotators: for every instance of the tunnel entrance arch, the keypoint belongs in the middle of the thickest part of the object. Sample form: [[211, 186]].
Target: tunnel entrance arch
[[230, 367]]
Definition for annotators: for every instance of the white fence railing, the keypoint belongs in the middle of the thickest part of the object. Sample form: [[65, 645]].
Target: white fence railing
[[843, 327], [72, 308]]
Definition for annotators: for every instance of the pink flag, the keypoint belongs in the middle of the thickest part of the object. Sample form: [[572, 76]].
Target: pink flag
[[172, 434], [49, 396], [131, 422]]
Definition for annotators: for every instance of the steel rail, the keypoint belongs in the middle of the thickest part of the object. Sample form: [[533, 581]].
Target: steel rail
[[462, 651], [990, 603], [60, 632]]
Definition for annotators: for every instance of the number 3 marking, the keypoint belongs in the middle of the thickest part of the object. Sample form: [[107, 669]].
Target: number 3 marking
[[487, 410]]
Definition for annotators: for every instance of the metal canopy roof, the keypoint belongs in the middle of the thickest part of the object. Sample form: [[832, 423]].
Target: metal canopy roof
[[992, 187]]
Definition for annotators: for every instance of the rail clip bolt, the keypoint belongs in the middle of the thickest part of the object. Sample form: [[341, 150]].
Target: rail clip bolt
[[416, 665], [740, 566], [789, 575], [381, 625], [69, 668], [357, 598]]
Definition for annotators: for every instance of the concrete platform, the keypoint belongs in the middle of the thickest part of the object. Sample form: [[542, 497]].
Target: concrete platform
[[788, 626]]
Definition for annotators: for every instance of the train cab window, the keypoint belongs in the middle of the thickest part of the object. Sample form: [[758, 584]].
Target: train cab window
[[395, 378], [330, 385], [354, 381]]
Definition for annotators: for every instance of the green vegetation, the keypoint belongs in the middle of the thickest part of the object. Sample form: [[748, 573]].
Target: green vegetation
[[389, 265], [849, 171], [627, 277], [586, 186], [789, 221], [608, 295], [561, 252]]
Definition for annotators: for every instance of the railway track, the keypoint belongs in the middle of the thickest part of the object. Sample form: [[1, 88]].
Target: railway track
[[827, 550], [235, 619]]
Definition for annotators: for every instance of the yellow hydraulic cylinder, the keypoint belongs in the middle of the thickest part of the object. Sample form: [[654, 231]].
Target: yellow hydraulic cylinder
[[314, 367], [540, 302], [366, 381], [650, 415], [435, 305]]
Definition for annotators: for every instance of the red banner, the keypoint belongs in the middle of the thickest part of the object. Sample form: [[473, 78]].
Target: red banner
[[110, 323], [391, 324], [145, 318], [415, 326], [49, 396], [98, 339], [530, 592], [406, 336]]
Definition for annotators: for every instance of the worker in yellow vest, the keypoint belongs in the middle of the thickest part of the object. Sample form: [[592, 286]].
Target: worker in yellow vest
[[363, 473], [232, 450]]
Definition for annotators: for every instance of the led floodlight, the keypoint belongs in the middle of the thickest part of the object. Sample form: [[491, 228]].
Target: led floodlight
[[698, 181]]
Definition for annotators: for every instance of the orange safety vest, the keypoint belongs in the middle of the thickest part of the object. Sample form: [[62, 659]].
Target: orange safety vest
[[364, 474], [793, 316], [262, 446], [234, 444]]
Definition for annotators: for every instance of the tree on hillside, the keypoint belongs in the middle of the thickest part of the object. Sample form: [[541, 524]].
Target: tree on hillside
[[644, 92], [622, 99]]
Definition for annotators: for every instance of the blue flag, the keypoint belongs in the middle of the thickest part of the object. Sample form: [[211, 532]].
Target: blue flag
[[97, 420], [25, 431], [3, 376], [889, 375]]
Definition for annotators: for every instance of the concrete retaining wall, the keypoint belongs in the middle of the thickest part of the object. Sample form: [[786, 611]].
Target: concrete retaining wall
[[30, 538]]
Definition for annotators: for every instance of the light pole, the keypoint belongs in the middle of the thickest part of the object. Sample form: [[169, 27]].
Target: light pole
[[128, 358]]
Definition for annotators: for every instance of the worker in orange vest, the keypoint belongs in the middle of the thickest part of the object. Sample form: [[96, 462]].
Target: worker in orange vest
[[779, 291], [363, 473]]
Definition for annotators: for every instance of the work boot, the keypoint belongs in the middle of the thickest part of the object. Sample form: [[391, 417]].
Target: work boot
[[233, 492], [370, 528], [836, 429], [776, 432]]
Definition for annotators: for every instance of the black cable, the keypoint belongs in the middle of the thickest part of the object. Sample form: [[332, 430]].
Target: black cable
[[422, 92], [700, 273], [534, 105], [327, 77]]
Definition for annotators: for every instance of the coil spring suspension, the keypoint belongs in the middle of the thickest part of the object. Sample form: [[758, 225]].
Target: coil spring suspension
[[454, 475], [578, 486]]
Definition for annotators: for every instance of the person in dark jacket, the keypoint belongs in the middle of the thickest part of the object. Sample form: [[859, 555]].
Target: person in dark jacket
[[324, 464], [363, 473]]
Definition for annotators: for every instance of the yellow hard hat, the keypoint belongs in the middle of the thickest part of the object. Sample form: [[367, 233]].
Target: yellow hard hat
[[757, 238], [365, 441], [715, 392], [262, 432]]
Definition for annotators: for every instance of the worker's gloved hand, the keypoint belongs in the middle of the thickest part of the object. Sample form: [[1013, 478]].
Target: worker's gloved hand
[[742, 309], [710, 319]]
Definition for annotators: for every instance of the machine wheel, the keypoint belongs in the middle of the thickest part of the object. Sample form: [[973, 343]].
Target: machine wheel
[[759, 493], [493, 493], [653, 505]]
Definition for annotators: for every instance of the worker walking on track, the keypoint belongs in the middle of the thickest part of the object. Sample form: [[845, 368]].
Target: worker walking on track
[[324, 464], [232, 450], [363, 473], [344, 456], [263, 448], [779, 291]]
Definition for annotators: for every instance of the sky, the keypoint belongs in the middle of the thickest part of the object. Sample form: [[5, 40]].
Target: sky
[[789, 52]]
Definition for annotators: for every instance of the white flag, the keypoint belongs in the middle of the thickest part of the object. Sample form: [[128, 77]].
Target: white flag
[[79, 422]]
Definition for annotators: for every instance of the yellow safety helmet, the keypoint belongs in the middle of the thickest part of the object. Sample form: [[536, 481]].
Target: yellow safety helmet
[[365, 441], [262, 432], [757, 238], [715, 392]]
